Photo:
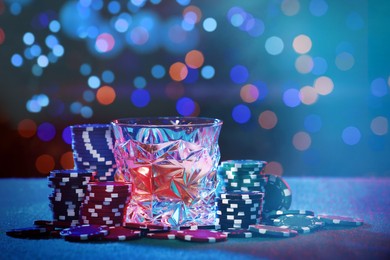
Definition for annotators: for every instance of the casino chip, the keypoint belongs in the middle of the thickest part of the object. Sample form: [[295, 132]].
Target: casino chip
[[93, 149], [147, 226], [238, 210], [242, 195], [277, 213], [272, 231], [121, 234], [238, 233], [340, 220], [300, 223], [195, 227], [201, 235], [168, 235], [277, 195], [241, 175], [104, 203], [29, 232], [68, 193], [84, 233]]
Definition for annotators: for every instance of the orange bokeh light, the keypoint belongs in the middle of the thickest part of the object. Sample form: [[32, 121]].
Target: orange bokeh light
[[27, 128], [274, 168], [105, 95], [44, 163], [194, 59], [67, 161], [178, 71]]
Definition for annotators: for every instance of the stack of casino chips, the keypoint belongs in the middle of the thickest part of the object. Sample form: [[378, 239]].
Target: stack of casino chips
[[238, 210], [105, 203], [242, 175], [68, 193], [93, 146]]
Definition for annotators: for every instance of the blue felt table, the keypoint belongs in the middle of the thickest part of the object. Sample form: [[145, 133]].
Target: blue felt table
[[24, 200]]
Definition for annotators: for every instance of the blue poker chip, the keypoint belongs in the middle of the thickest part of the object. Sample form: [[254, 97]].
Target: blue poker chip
[[84, 233]]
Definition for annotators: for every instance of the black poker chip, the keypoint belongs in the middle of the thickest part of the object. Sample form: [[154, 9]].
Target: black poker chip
[[277, 213], [300, 223], [278, 195], [340, 220], [239, 233], [29, 232], [273, 231]]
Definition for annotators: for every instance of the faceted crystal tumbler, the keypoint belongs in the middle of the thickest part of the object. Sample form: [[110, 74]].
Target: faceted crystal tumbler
[[171, 163]]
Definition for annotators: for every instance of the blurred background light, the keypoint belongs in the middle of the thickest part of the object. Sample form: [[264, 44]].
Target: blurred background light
[[290, 88]]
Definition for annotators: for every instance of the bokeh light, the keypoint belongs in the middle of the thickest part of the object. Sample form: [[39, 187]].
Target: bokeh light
[[185, 106], [209, 24], [208, 72], [46, 131], [308, 95], [379, 87], [27, 128], [249, 93], [105, 95], [304, 64], [66, 160], [178, 71], [302, 44], [379, 125], [241, 114], [194, 59], [274, 45], [140, 97], [318, 7], [351, 135], [301, 141], [67, 135], [44, 163], [158, 71], [274, 167], [344, 61], [292, 97], [267, 119], [323, 85], [239, 74], [290, 7]]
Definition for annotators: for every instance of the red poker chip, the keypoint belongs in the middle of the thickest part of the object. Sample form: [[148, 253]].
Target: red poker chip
[[109, 186], [201, 235], [114, 195], [101, 215], [147, 226], [106, 199], [84, 233], [101, 210], [167, 235], [101, 222], [121, 234], [103, 204]]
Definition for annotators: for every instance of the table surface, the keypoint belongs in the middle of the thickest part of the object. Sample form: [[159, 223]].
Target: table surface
[[24, 200]]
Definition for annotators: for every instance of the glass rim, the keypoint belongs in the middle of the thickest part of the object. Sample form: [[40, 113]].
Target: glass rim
[[185, 121]]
